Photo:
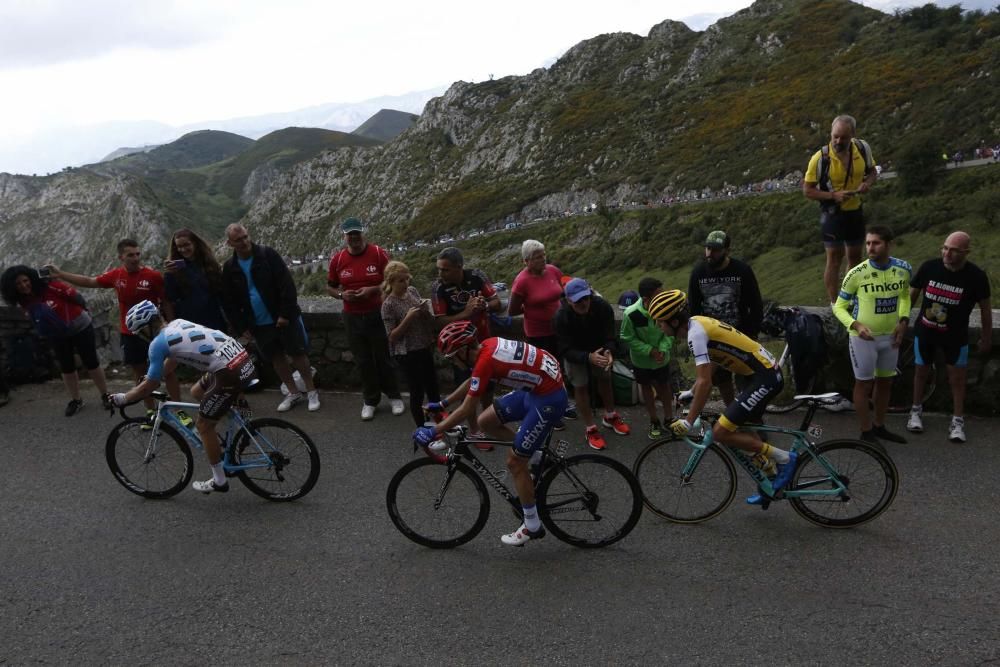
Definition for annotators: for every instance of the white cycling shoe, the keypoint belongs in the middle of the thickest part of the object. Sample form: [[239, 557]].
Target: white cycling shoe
[[209, 486], [522, 536]]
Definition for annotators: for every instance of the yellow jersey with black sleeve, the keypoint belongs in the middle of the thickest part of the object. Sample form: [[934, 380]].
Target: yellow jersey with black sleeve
[[876, 296], [717, 342], [842, 177]]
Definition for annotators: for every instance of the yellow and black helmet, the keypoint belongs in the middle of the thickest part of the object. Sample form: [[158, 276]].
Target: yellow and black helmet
[[668, 305]]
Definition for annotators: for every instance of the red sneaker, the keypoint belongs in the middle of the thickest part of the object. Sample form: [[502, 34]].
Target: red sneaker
[[614, 421], [595, 439], [483, 447]]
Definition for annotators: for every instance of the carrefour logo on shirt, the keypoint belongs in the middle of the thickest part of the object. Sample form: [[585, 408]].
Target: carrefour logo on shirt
[[371, 269], [143, 284], [474, 384]]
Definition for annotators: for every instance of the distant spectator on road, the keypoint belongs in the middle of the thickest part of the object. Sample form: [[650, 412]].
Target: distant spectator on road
[[837, 175], [649, 351], [355, 276], [409, 325], [949, 288], [724, 288], [61, 318], [261, 303], [585, 328], [133, 283]]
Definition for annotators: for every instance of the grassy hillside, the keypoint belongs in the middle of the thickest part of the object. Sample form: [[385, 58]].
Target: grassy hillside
[[777, 234], [748, 100]]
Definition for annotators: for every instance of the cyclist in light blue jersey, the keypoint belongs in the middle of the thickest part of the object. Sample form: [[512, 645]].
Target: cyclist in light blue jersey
[[226, 365]]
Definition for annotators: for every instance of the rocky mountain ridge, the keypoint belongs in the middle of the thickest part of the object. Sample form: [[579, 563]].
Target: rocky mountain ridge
[[618, 117]]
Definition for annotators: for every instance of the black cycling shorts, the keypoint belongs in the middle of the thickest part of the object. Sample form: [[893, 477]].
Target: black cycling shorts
[[842, 227], [750, 403]]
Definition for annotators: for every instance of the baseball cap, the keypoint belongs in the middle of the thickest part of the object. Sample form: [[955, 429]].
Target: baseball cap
[[352, 225], [576, 289], [717, 239], [627, 298]]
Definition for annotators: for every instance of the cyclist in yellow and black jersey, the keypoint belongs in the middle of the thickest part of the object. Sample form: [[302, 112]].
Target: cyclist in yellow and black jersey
[[714, 342]]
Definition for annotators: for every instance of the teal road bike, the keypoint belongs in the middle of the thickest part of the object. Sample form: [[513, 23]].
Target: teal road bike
[[836, 484], [272, 457]]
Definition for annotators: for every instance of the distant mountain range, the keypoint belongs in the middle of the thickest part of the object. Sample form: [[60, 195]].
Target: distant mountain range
[[617, 118], [76, 146]]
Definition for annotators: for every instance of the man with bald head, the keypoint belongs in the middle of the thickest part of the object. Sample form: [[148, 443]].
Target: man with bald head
[[836, 177], [950, 287]]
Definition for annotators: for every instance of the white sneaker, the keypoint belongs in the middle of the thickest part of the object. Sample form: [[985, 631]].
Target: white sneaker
[[290, 400], [367, 412], [522, 536], [209, 486], [397, 406], [956, 432], [313, 401], [915, 424]]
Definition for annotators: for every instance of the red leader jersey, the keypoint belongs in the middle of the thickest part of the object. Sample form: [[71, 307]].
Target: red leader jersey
[[145, 284], [516, 364]]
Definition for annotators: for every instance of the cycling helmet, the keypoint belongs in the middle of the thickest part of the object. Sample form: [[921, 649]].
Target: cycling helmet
[[140, 315], [455, 336], [668, 305]]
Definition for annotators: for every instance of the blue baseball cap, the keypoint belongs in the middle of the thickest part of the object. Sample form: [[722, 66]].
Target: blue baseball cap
[[577, 289]]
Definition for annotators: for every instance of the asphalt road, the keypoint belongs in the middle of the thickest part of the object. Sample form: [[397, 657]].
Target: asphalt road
[[93, 574]]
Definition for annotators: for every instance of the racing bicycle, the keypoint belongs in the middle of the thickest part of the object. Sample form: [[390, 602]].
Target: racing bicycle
[[273, 458], [441, 501], [838, 483]]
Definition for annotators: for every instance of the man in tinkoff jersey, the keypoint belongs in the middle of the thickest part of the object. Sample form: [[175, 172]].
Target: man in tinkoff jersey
[[874, 305]]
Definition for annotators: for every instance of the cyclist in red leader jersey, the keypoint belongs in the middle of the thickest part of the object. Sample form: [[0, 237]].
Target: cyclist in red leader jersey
[[538, 405]]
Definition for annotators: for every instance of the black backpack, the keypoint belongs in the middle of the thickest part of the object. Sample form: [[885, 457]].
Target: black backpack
[[27, 359]]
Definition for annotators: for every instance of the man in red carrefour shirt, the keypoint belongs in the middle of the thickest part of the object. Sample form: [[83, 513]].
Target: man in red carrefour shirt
[[355, 276], [133, 283]]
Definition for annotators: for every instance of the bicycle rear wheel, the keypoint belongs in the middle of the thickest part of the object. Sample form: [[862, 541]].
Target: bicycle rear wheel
[[785, 400], [287, 458], [149, 465], [708, 491], [437, 505], [868, 473], [589, 500]]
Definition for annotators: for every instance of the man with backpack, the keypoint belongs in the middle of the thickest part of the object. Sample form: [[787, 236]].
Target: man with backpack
[[837, 175]]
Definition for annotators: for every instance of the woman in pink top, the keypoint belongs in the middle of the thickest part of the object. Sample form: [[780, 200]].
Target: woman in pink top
[[536, 293]]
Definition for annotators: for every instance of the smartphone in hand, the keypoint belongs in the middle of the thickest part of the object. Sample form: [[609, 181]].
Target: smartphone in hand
[[44, 272]]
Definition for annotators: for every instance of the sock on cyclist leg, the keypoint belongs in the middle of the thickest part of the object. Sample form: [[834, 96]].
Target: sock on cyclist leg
[[772, 452], [531, 520], [218, 474]]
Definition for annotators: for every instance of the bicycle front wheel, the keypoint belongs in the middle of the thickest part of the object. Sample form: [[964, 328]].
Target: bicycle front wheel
[[152, 465], [437, 505], [589, 500], [285, 460], [708, 491], [868, 473]]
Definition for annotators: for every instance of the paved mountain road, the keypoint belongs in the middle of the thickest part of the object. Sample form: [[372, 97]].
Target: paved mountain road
[[92, 574]]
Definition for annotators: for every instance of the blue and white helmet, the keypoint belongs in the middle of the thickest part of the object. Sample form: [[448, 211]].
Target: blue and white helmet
[[140, 315]]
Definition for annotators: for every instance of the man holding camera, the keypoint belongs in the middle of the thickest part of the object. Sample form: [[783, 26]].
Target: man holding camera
[[837, 175]]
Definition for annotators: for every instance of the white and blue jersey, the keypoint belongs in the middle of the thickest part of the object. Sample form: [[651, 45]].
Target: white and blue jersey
[[204, 349]]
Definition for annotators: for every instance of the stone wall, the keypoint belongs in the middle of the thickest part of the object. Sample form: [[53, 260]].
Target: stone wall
[[335, 367]]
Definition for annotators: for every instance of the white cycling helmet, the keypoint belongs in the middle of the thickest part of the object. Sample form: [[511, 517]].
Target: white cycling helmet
[[140, 315]]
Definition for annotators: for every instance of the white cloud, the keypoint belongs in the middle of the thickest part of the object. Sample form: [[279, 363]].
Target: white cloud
[[79, 62], [45, 32]]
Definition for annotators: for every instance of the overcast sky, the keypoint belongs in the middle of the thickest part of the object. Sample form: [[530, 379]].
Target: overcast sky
[[80, 62]]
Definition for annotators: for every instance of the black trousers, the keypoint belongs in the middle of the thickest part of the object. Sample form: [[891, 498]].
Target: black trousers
[[370, 346], [421, 378]]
